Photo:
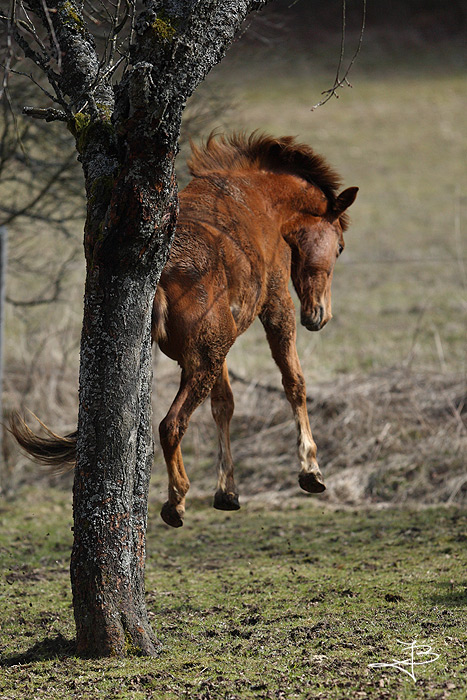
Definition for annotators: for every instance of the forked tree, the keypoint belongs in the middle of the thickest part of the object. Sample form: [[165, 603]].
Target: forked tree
[[121, 94]]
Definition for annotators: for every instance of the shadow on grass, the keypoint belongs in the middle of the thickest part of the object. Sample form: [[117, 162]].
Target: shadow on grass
[[451, 594], [50, 648]]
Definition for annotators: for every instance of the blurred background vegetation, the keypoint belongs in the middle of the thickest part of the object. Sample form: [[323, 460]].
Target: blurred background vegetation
[[387, 377]]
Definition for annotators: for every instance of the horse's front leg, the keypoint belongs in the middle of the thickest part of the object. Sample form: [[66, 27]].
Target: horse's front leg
[[222, 407], [281, 334]]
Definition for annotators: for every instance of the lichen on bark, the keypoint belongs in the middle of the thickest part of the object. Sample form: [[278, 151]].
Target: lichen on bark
[[70, 17], [163, 28]]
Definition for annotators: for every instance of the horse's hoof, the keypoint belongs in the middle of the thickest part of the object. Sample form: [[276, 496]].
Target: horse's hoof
[[172, 515], [226, 501], [311, 482]]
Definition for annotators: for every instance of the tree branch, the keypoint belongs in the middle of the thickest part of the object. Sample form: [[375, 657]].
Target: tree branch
[[56, 285], [338, 81], [49, 114], [193, 37], [77, 59], [55, 176]]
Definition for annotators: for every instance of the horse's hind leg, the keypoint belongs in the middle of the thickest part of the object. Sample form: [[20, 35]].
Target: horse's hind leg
[[194, 388], [281, 336], [222, 407]]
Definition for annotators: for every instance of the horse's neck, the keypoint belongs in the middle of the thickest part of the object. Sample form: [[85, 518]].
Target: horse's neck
[[274, 196], [286, 196]]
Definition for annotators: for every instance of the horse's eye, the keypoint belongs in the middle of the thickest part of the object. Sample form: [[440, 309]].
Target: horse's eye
[[341, 248]]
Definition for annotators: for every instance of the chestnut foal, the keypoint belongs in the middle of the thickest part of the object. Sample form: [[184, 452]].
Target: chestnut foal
[[258, 211]]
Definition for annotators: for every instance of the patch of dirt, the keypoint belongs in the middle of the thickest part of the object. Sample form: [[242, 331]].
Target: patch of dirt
[[24, 573]]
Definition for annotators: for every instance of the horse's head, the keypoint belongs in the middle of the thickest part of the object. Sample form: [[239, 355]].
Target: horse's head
[[317, 241]]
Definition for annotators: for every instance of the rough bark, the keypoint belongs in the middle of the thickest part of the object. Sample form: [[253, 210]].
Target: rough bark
[[127, 141], [125, 256]]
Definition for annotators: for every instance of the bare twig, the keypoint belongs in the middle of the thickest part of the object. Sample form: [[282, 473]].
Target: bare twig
[[53, 35], [9, 56], [343, 81], [54, 177], [56, 285], [43, 63], [49, 114]]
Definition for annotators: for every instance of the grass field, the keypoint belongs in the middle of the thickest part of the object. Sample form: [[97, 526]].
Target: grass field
[[266, 603], [293, 597]]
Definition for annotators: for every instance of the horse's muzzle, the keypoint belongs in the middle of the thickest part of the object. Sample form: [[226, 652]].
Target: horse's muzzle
[[316, 320]]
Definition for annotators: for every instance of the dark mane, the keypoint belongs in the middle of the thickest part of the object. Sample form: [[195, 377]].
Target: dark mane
[[260, 151]]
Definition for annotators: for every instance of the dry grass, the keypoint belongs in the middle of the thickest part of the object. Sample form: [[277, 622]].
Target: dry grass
[[392, 436], [389, 437]]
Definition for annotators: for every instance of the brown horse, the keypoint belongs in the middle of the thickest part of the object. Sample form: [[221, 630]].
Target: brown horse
[[258, 211]]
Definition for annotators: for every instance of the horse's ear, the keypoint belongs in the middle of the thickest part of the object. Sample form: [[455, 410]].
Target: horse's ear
[[345, 200]]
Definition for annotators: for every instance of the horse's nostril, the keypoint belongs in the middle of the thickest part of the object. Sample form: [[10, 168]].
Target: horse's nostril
[[319, 313]]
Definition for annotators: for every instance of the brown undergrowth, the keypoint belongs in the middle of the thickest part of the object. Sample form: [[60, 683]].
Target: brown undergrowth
[[392, 436]]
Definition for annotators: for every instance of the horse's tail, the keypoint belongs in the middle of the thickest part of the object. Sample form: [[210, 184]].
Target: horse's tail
[[54, 450], [57, 451], [160, 309]]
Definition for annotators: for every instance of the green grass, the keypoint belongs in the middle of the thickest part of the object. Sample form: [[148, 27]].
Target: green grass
[[264, 603]]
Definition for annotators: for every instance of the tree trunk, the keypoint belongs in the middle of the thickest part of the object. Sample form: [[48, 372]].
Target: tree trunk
[[113, 469], [131, 216]]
